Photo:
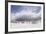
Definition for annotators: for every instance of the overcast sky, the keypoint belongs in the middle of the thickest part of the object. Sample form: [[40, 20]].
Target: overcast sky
[[18, 8]]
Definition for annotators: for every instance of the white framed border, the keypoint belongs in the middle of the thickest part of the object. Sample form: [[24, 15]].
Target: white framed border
[[25, 4]]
